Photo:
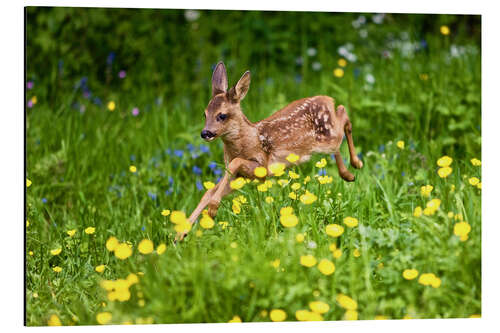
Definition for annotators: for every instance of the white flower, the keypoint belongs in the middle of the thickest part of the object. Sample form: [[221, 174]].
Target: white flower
[[378, 18], [363, 33], [316, 66], [369, 78], [362, 19], [311, 245], [191, 15], [351, 57], [311, 51]]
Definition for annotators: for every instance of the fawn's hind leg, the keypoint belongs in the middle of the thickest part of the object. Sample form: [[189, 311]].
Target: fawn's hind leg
[[355, 161], [343, 172]]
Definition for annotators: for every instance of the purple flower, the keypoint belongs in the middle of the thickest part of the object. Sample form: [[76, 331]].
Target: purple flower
[[135, 112], [122, 74], [199, 186], [322, 172], [110, 58], [44, 200], [217, 172], [204, 149], [190, 147], [212, 165], [178, 153], [30, 104], [152, 195], [30, 84], [196, 170]]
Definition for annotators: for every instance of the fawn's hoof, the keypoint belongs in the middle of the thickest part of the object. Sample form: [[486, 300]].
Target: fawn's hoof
[[212, 208], [180, 236], [358, 164], [347, 176]]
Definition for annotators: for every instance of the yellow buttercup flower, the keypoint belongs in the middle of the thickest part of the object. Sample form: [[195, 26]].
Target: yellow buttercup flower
[[444, 161], [277, 315], [260, 172], [132, 168], [417, 212], [462, 229], [444, 172], [299, 238], [473, 181], [57, 269], [237, 183], [321, 163], [275, 263], [305, 315], [445, 30], [295, 186], [334, 230], [308, 198], [54, 321], [332, 247], [286, 211], [292, 195], [103, 317], [356, 253], [100, 268], [289, 221], [277, 169], [89, 230], [111, 106], [381, 317], [432, 206], [71, 232], [269, 200], [292, 158], [307, 179], [475, 162], [325, 179], [161, 248], [293, 175], [145, 246], [208, 185], [479, 185], [400, 144], [262, 188], [351, 315], [410, 274], [326, 267], [235, 319], [308, 260], [28, 182], [319, 307], [342, 62], [351, 222], [111, 243], [177, 217], [337, 253], [346, 302], [207, 222], [426, 190], [236, 208], [183, 227], [429, 279], [55, 252], [223, 224], [123, 251], [338, 72]]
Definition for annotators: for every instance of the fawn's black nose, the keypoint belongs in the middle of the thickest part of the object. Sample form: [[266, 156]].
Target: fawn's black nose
[[207, 134]]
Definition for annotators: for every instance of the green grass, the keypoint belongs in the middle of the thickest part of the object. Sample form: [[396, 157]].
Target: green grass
[[79, 165]]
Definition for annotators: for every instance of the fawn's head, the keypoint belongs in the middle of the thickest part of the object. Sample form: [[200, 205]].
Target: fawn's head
[[223, 112]]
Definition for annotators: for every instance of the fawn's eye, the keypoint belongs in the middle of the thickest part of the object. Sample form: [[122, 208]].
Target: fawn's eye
[[221, 117]]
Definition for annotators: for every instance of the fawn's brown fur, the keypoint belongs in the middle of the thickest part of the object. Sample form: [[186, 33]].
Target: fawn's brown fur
[[306, 126]]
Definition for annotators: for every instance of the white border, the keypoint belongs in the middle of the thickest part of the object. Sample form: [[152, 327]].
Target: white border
[[11, 131]]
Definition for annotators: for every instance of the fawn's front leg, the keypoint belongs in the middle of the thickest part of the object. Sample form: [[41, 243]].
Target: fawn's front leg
[[237, 165]]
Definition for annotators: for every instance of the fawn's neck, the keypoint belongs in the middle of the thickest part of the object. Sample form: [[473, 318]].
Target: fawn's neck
[[242, 139]]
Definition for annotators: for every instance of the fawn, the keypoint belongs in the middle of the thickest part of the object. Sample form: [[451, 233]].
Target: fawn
[[306, 126]]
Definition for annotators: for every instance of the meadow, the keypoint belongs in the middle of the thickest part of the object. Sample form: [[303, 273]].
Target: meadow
[[114, 108]]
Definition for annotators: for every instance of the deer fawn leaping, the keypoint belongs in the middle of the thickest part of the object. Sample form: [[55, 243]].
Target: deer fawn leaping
[[306, 126]]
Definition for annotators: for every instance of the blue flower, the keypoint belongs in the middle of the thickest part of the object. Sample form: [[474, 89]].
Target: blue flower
[[196, 170], [97, 101], [169, 191], [199, 185], [298, 78], [190, 147], [322, 172], [403, 174], [152, 195], [168, 151], [212, 165], [356, 72], [170, 180], [132, 157], [204, 149], [111, 57], [44, 200], [217, 172], [381, 148], [143, 228], [178, 153]]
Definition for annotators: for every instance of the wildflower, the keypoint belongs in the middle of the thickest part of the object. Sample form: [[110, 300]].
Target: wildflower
[[237, 183], [307, 179], [286, 211], [337, 253], [89, 230], [342, 62], [123, 251], [351, 315], [262, 188], [423, 76], [474, 161], [235, 319], [34, 100], [31, 253], [429, 279], [295, 186], [208, 185], [260, 172], [177, 217], [57, 269], [444, 30], [308, 198], [444, 161], [277, 315], [27, 223], [54, 321], [334, 230], [346, 302], [304, 315], [223, 224], [165, 212], [183, 227], [326, 267], [319, 307], [277, 169], [400, 144], [207, 222], [479, 185], [111, 243], [28, 182], [292, 158], [103, 317], [432, 206], [321, 163], [199, 233], [283, 182], [293, 175], [133, 169], [55, 252], [289, 221], [462, 229], [351, 222], [275, 263], [100, 268], [236, 208], [436, 283], [308, 260], [426, 190], [145, 246], [135, 112], [410, 274], [292, 195], [71, 232], [325, 179], [299, 238], [161, 248], [356, 253], [473, 181], [338, 72], [111, 106], [332, 247], [475, 316], [417, 212], [269, 199]]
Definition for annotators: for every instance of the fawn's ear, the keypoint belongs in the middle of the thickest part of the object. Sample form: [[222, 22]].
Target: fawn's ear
[[219, 79], [238, 92]]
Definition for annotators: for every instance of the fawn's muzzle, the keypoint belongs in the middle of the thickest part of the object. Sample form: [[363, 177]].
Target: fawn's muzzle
[[207, 134]]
